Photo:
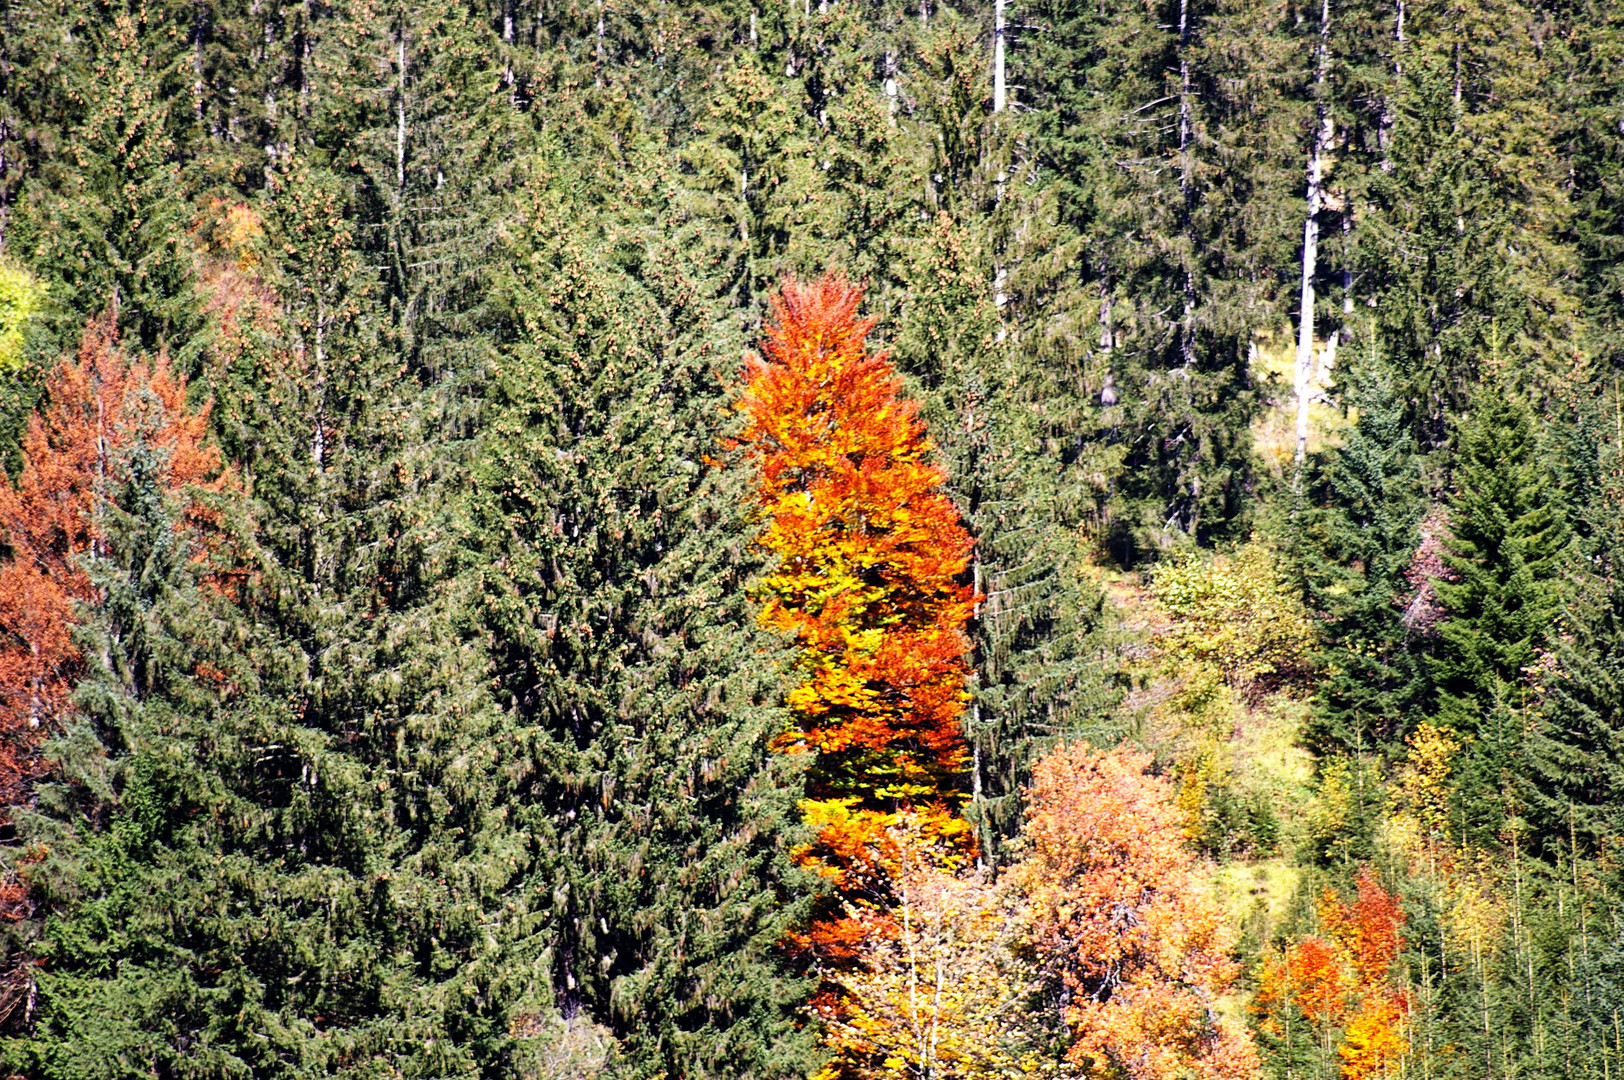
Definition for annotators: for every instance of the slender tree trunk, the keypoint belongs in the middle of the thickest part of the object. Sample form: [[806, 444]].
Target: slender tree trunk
[[1347, 268], [1186, 190], [1315, 201], [998, 92], [400, 108], [197, 61], [1384, 135], [599, 54], [891, 86], [507, 39]]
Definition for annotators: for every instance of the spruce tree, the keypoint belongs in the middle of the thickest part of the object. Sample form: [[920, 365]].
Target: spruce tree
[[1038, 635], [1502, 557], [231, 881], [1465, 246], [1355, 542], [1574, 786], [611, 563]]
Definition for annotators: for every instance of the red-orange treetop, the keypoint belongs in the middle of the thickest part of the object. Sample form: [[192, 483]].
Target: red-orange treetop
[[871, 553]]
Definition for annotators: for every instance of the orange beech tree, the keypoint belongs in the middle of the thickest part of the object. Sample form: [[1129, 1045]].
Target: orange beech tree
[[868, 583], [1119, 918], [93, 407]]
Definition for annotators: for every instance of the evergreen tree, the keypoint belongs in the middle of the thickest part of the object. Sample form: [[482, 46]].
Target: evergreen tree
[[610, 564], [1182, 208], [1355, 545], [1574, 787], [233, 880], [107, 220], [1498, 598], [1038, 634], [1463, 248]]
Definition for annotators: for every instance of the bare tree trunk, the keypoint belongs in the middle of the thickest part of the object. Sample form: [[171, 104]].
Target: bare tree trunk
[[998, 98], [197, 61], [891, 86], [1384, 135], [1316, 198], [599, 64], [400, 108], [1186, 189]]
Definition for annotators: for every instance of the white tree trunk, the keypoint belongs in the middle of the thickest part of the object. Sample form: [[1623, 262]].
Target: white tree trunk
[[1316, 198], [1186, 189], [998, 95], [400, 108]]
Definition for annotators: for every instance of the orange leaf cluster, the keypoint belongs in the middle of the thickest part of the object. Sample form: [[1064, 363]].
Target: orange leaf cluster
[[1119, 912], [51, 517], [1341, 978], [870, 555]]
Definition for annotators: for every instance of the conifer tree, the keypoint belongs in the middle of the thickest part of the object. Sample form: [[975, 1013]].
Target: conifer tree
[[107, 220], [1464, 246], [53, 518], [1037, 633], [1356, 546], [649, 823], [1502, 552], [1575, 779], [1134, 115], [233, 880]]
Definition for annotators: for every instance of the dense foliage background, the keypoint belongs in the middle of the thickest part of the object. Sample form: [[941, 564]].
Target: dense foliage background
[[382, 686]]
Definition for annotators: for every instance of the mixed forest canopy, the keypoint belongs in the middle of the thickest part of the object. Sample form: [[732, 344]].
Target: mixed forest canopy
[[839, 539]]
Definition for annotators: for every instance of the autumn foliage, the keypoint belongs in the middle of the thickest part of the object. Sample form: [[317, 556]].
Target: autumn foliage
[[1120, 916], [1102, 942], [866, 584], [939, 993], [1339, 979], [870, 555], [94, 408]]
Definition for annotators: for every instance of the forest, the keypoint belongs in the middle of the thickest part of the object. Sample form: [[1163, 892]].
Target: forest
[[822, 540]]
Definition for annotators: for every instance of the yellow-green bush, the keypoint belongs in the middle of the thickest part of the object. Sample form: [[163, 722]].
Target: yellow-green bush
[[1235, 612], [20, 297]]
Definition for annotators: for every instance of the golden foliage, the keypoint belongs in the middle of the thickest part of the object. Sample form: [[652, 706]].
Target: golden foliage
[[941, 993]]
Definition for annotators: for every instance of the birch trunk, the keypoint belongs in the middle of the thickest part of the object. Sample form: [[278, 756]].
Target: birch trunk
[[1316, 197], [1186, 190], [998, 98]]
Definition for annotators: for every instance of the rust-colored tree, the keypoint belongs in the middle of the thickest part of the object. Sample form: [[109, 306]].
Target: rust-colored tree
[[93, 407], [871, 552], [1120, 919]]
